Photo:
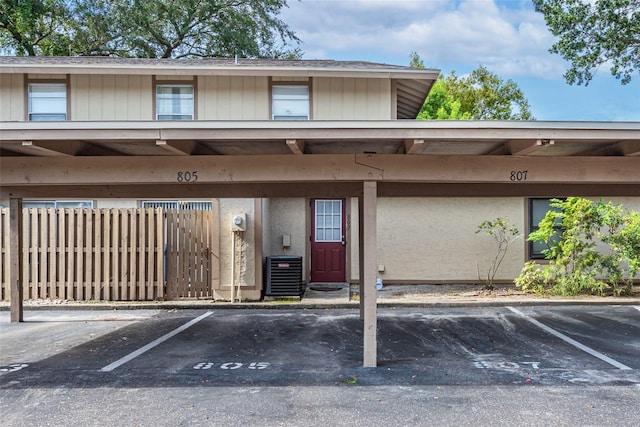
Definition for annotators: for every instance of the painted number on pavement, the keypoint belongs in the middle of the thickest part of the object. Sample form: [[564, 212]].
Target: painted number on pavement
[[231, 365], [13, 367]]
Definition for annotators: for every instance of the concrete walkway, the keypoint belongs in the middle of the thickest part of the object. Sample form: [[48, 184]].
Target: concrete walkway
[[345, 296]]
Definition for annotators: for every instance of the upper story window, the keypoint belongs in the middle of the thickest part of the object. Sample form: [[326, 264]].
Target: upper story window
[[47, 101], [538, 208], [290, 102], [174, 102]]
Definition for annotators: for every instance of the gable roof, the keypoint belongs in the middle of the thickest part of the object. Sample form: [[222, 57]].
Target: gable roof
[[412, 85]]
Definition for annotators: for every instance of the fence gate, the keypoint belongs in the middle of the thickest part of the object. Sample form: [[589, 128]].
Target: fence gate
[[189, 256]]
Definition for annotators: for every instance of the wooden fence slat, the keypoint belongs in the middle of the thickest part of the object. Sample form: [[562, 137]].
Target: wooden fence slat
[[133, 258], [79, 254], [96, 253], [70, 254], [105, 252], [51, 253], [6, 261], [115, 254], [60, 254], [124, 253]]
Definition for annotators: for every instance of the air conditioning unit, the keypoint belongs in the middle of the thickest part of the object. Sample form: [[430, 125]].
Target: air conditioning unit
[[283, 276]]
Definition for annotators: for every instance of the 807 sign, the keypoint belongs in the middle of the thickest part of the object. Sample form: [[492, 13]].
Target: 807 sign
[[518, 176]]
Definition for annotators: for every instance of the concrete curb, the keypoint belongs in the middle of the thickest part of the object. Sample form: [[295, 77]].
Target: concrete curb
[[275, 305]]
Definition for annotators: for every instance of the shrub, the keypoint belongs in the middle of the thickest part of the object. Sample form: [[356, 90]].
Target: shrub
[[578, 261]]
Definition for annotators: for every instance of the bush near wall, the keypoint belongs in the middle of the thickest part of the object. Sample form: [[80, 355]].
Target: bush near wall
[[598, 250]]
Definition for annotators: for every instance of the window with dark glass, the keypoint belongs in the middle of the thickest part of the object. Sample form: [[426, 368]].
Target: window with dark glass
[[538, 208]]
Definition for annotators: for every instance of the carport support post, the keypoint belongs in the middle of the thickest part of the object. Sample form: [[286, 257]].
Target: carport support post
[[15, 260], [367, 213]]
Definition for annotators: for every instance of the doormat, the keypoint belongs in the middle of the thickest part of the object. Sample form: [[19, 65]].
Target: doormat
[[324, 288]]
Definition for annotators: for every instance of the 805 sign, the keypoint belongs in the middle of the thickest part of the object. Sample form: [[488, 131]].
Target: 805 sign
[[187, 176]]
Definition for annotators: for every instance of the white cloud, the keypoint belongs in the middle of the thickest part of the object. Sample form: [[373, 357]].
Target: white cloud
[[510, 38]]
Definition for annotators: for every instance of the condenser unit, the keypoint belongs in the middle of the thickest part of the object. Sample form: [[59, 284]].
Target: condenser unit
[[283, 276]]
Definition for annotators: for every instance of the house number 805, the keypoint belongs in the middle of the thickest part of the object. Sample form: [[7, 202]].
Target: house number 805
[[187, 176]]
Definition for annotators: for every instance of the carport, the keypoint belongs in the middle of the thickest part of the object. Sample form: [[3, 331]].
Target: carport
[[333, 159]]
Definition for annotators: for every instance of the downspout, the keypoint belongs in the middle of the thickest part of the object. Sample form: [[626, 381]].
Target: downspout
[[233, 267]]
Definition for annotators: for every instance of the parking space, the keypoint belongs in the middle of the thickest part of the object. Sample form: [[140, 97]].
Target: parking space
[[453, 346]]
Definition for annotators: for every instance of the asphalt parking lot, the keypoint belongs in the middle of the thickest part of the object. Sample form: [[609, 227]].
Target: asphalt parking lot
[[463, 346], [585, 354]]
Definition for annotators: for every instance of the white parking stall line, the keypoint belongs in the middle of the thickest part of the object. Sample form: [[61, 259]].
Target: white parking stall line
[[573, 342], [154, 343], [637, 307]]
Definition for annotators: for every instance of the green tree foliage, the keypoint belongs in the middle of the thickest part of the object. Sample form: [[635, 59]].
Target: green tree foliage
[[595, 33], [599, 249], [481, 95], [147, 28], [34, 27], [504, 234]]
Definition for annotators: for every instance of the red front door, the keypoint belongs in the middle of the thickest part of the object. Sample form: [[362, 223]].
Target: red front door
[[328, 232]]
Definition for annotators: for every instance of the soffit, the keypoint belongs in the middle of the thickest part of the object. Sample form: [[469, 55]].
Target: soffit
[[198, 138]]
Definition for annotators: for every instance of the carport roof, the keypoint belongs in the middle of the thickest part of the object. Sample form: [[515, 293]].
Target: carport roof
[[441, 138]]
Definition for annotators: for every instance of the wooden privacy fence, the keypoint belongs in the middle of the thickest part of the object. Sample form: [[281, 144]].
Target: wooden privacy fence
[[88, 254], [189, 253]]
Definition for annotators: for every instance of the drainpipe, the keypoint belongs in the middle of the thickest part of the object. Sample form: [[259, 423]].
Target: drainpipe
[[233, 267]]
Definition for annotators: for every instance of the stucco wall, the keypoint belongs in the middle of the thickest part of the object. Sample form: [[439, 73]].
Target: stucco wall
[[245, 244], [288, 217], [434, 239]]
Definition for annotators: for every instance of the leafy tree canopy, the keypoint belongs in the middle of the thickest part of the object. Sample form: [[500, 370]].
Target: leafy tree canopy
[[594, 33], [481, 95], [146, 28]]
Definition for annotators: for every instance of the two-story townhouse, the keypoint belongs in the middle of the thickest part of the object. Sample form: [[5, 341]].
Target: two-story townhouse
[[322, 159]]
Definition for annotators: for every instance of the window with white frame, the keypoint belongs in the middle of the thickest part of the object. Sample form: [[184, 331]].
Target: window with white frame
[[290, 102], [328, 221], [47, 101], [58, 204], [174, 102]]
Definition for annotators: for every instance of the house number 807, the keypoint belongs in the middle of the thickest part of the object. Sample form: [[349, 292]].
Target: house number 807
[[518, 176], [187, 176]]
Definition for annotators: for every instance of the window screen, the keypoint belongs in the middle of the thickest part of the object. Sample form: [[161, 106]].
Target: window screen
[[174, 102], [290, 102], [47, 101]]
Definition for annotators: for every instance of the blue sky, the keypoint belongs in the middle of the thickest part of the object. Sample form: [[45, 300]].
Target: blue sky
[[506, 36]]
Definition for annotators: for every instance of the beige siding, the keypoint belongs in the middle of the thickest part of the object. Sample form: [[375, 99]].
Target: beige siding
[[233, 98], [351, 99], [12, 97], [98, 97]]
